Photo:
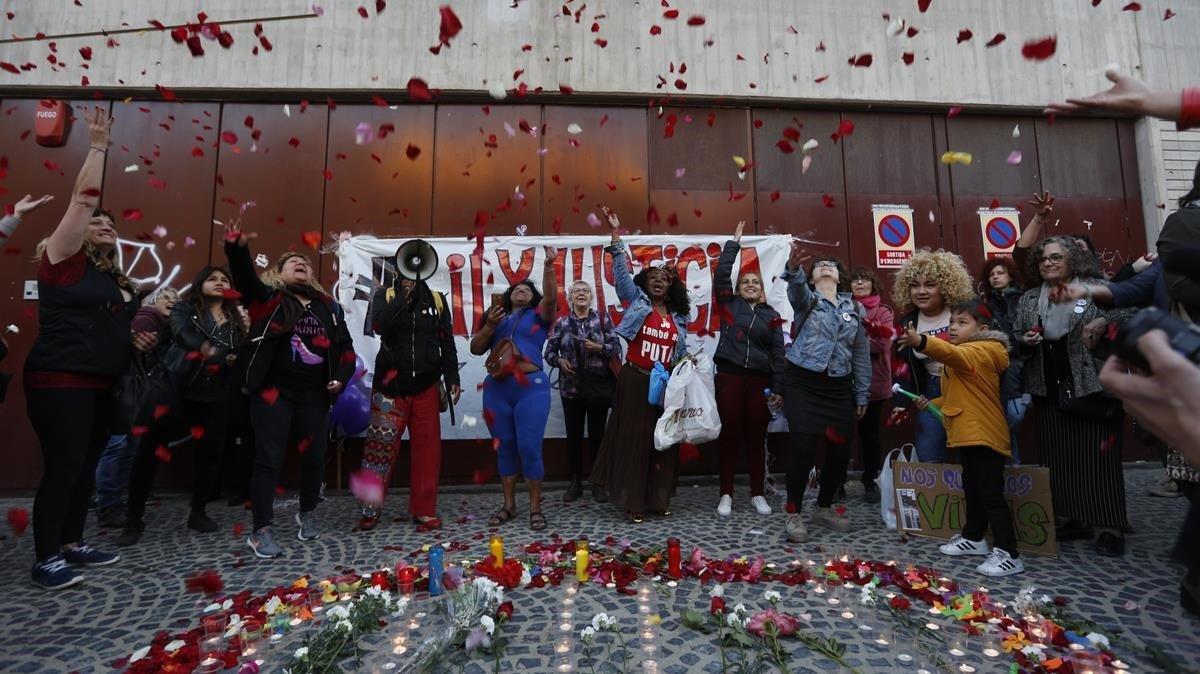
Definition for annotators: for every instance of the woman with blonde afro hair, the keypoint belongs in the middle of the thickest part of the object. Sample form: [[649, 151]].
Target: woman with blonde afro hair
[[929, 283]]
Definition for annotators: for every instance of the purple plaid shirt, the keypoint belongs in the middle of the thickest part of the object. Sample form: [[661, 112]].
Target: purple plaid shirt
[[566, 341]]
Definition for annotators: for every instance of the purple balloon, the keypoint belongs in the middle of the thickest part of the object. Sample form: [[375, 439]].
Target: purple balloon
[[352, 410]]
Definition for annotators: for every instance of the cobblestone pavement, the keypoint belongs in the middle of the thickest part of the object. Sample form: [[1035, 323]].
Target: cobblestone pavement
[[117, 609]]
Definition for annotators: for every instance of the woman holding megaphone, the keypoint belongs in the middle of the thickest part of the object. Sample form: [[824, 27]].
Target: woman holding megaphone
[[416, 356]]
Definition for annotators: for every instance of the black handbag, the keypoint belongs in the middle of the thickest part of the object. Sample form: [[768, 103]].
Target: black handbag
[[139, 394], [1096, 407]]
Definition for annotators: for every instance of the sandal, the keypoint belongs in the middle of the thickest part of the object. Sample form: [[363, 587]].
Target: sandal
[[501, 516], [635, 518], [537, 521]]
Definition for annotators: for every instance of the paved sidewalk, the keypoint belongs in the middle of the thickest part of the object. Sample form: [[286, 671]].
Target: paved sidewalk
[[117, 609]]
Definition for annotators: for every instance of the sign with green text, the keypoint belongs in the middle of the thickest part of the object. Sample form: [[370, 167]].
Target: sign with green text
[[929, 502]]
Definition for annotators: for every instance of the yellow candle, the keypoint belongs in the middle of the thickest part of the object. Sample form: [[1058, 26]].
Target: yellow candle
[[496, 547], [581, 560]]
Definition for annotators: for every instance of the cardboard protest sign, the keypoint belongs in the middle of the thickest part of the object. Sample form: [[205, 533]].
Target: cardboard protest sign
[[929, 501]]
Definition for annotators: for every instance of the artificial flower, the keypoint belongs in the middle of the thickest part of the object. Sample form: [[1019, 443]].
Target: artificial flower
[[716, 606], [900, 603], [488, 624], [505, 609], [602, 622], [1015, 641], [773, 597], [301, 653]]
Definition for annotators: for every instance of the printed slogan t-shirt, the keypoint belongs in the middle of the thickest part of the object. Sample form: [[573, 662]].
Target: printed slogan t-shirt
[[655, 342]]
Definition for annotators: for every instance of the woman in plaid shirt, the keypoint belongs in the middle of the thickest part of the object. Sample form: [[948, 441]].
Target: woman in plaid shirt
[[582, 344]]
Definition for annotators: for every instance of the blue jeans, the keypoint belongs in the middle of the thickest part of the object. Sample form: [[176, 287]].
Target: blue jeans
[[112, 472], [931, 433], [1014, 413]]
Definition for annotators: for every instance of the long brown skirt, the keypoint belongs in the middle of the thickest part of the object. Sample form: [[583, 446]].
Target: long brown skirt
[[637, 477]]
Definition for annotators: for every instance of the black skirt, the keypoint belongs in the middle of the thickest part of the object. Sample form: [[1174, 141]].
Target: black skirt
[[817, 403]]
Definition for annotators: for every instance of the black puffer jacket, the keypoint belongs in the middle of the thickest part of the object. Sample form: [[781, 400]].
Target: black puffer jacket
[[751, 335], [416, 341]]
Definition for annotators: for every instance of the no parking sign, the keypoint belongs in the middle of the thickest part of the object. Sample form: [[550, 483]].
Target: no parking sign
[[895, 240], [1001, 228]]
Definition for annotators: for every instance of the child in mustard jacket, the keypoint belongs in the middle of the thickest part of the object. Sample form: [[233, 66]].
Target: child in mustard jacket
[[975, 359]]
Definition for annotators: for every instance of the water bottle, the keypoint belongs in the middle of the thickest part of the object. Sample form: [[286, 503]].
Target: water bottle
[[775, 410]]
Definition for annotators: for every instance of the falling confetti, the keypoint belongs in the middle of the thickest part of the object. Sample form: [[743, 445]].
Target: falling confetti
[[963, 158], [574, 129], [1014, 158]]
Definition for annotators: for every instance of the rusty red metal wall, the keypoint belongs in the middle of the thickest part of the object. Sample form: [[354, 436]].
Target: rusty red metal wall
[[292, 169]]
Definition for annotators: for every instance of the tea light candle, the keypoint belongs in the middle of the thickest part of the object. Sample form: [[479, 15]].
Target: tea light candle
[[581, 560], [400, 644], [991, 652], [496, 547], [965, 668], [562, 647], [848, 615], [904, 657], [674, 558], [932, 627]]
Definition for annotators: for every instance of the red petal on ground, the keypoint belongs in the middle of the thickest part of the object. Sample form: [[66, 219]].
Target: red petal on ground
[[18, 520]]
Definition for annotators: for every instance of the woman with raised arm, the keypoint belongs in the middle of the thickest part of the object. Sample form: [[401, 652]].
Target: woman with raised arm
[[750, 363], [637, 477], [85, 309], [298, 359], [206, 330], [827, 384], [516, 392], [581, 345]]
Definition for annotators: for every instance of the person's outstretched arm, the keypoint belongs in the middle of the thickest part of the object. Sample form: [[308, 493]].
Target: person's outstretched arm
[[68, 236], [1167, 401], [9, 223], [1132, 96]]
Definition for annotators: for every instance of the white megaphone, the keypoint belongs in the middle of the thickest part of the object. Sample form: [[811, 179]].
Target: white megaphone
[[416, 260]]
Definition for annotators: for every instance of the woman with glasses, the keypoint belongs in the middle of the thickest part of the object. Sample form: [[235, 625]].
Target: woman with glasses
[[826, 384], [581, 345], [879, 324], [1079, 425]]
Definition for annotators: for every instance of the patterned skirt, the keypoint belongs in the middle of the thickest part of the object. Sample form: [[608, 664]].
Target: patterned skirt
[[1087, 482]]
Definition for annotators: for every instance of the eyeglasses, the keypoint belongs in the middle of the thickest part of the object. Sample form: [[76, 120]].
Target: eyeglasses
[[1053, 258], [828, 264]]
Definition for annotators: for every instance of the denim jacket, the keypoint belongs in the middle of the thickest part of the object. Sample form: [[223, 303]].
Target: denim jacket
[[833, 338], [637, 303]]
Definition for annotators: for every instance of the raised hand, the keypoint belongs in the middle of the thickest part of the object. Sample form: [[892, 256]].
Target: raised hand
[[28, 204], [1127, 95], [234, 233], [551, 255], [795, 255], [495, 315], [737, 233], [99, 127], [909, 336], [1043, 204]]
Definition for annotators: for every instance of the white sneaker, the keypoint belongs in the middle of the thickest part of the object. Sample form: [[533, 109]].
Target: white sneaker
[[796, 531], [999, 563], [959, 546], [761, 505], [725, 506]]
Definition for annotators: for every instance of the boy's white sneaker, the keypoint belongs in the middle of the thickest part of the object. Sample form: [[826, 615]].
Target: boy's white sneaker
[[959, 546], [999, 563], [761, 505], [725, 506]]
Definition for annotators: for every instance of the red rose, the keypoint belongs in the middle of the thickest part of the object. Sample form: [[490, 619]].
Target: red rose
[[505, 609], [900, 603], [717, 606]]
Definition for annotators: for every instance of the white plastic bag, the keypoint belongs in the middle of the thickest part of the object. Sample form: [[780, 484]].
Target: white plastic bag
[[887, 490], [689, 405]]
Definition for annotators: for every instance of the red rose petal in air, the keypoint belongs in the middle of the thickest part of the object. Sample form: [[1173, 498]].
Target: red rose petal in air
[[50, 165], [790, 133], [1108, 443], [999, 37], [132, 214], [362, 11], [912, 31], [162, 454], [197, 432], [239, 528], [229, 137], [380, 5], [10, 67], [654, 30], [1168, 15], [954, 111], [86, 53], [828, 201], [418, 90], [671, 14], [449, 26], [775, 196], [964, 35], [303, 445], [1040, 50], [197, 152], [695, 20], [1132, 7], [194, 46], [294, 142], [157, 183], [833, 436], [312, 239], [845, 128], [923, 5], [18, 520], [568, 90], [862, 60], [270, 395], [412, 151], [908, 58], [785, 147]]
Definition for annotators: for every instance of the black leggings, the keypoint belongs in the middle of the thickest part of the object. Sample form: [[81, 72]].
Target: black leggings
[[983, 491], [868, 441], [803, 458], [575, 413], [72, 429], [206, 454], [303, 418]]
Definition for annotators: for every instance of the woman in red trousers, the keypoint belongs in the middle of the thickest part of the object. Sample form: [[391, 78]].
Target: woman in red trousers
[[750, 361]]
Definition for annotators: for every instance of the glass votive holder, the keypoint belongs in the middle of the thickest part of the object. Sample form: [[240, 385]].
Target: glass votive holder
[[315, 603], [279, 627], [1086, 662], [400, 642], [885, 638], [214, 625], [209, 666], [991, 644], [957, 644], [210, 648], [906, 650], [252, 634]]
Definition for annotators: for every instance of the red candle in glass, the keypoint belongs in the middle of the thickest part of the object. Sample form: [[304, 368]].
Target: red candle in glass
[[405, 577], [380, 580], [673, 558]]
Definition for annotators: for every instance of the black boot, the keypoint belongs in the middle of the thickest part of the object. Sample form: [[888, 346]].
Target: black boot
[[201, 522], [574, 491], [131, 534], [598, 494]]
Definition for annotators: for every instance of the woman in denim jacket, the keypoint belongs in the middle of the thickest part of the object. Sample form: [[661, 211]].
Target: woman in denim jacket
[[826, 385], [637, 477]]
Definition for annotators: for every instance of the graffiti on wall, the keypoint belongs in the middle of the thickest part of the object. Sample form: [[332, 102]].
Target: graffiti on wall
[[141, 262]]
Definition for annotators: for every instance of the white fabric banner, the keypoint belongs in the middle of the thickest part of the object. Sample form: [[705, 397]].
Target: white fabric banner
[[469, 281]]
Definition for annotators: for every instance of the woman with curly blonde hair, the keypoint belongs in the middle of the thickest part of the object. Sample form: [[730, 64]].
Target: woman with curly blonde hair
[[929, 283]]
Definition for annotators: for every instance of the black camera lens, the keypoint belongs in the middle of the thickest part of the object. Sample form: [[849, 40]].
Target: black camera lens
[[1184, 337]]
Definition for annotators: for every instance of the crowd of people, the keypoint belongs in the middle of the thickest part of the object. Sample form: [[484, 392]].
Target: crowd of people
[[116, 384]]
